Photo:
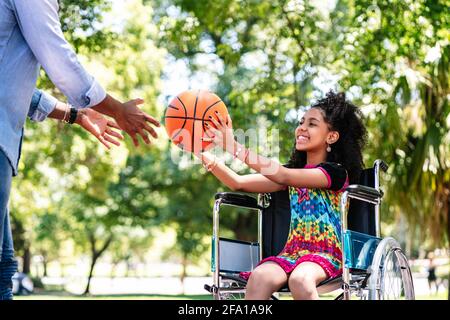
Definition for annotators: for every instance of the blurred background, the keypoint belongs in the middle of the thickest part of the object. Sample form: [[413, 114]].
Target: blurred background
[[134, 223]]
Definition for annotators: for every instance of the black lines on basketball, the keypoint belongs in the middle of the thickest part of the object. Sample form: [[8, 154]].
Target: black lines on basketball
[[185, 119], [187, 115], [193, 122]]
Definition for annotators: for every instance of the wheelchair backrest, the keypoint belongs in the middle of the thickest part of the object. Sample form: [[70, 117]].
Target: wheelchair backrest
[[277, 216]]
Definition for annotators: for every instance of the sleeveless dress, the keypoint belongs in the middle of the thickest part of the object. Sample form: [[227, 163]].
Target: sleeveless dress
[[315, 227]]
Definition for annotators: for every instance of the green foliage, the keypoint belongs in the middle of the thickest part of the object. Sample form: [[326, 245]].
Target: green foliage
[[269, 60]]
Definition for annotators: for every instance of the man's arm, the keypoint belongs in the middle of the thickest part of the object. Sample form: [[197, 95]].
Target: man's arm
[[41, 28], [44, 105]]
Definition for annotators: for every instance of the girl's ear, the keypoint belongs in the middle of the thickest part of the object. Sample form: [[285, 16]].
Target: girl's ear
[[333, 136]]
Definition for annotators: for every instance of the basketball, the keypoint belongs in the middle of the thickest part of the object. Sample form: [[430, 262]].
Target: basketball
[[186, 116]]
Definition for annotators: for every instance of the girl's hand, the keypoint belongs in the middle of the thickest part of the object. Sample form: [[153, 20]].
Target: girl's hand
[[99, 126], [220, 132]]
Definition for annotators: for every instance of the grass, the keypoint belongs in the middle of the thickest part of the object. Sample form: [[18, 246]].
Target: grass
[[62, 295]]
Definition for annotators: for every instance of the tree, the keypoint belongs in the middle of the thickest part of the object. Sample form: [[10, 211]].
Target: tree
[[396, 57]]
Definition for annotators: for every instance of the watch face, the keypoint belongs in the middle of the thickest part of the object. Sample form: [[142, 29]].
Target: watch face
[[73, 114]]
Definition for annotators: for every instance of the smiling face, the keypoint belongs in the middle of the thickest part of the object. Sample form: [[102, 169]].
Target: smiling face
[[313, 133]]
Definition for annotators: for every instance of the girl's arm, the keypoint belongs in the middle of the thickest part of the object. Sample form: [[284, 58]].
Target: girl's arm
[[249, 183], [272, 170]]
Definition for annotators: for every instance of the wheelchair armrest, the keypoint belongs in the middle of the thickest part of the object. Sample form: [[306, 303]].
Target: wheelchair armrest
[[238, 200], [364, 193]]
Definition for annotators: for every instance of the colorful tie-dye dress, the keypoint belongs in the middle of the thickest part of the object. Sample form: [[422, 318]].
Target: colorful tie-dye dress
[[315, 228]]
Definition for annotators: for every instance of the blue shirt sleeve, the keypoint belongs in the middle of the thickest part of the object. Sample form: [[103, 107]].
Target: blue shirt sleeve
[[41, 28], [42, 104]]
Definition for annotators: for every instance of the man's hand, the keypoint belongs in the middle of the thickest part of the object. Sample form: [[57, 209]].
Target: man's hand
[[99, 126], [134, 121], [129, 117]]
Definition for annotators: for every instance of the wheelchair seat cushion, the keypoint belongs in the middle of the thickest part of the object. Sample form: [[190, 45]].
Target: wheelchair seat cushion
[[315, 226]]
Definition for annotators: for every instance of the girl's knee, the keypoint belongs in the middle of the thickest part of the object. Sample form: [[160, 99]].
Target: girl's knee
[[301, 281], [263, 278], [258, 276]]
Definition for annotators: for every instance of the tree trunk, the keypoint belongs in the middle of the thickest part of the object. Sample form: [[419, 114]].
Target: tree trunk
[[44, 264], [112, 275], [91, 270], [26, 268], [184, 264], [95, 255], [448, 242]]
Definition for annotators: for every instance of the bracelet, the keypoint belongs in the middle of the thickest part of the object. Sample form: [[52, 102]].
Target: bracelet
[[211, 166], [73, 115], [66, 111]]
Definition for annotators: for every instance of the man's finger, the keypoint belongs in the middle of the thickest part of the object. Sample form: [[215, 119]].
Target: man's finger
[[103, 141], [137, 101], [113, 124], [114, 133], [150, 130], [144, 136], [152, 120], [134, 138], [110, 139]]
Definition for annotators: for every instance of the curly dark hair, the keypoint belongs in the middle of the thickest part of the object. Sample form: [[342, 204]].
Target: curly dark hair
[[344, 117]]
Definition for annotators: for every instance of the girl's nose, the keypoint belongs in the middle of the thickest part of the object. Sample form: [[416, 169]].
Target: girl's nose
[[301, 127]]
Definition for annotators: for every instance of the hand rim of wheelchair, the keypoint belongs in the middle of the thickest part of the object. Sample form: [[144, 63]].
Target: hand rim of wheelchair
[[390, 273]]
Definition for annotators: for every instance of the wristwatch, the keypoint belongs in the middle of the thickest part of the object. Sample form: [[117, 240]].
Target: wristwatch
[[73, 115]]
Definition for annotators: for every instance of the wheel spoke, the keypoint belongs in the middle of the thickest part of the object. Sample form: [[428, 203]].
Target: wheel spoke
[[392, 275]]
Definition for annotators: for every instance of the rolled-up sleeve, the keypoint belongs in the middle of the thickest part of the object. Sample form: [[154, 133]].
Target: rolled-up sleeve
[[41, 28], [42, 104]]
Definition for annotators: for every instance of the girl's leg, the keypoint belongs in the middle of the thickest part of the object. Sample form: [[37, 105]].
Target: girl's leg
[[304, 279], [264, 280]]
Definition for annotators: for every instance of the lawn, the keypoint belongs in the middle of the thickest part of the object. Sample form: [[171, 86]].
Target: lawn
[[61, 295]]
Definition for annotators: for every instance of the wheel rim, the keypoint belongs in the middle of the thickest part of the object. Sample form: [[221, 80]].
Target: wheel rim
[[231, 290], [390, 273], [392, 285]]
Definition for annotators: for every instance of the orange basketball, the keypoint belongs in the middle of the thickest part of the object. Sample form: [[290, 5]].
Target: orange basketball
[[186, 116]]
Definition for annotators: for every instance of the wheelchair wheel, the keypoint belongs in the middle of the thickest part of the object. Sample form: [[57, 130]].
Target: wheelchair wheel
[[231, 290], [390, 277]]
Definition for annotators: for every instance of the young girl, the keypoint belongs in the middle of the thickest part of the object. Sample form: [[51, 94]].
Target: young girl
[[325, 159]]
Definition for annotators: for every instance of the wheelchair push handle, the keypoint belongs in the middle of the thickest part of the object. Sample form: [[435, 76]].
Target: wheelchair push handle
[[381, 164]]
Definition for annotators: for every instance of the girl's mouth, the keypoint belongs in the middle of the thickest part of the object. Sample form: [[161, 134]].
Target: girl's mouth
[[302, 139]]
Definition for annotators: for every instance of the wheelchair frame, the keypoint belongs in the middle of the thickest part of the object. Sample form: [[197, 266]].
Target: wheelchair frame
[[350, 281]]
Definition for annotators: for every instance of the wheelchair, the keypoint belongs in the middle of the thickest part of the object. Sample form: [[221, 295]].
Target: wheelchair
[[373, 268]]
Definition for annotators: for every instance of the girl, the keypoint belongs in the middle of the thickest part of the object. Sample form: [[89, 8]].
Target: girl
[[326, 157]]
